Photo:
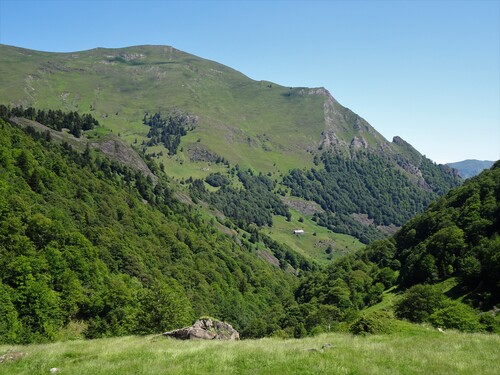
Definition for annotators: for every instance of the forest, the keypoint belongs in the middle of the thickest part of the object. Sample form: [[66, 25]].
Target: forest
[[250, 208], [54, 119], [169, 129], [91, 248], [364, 183], [456, 238]]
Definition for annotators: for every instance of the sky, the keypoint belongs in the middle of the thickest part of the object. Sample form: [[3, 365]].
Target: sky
[[427, 71]]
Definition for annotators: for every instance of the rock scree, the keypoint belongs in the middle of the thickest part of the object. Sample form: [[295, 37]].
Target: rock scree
[[205, 329]]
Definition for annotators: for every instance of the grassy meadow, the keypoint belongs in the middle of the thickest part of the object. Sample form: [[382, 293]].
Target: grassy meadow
[[421, 351], [315, 240]]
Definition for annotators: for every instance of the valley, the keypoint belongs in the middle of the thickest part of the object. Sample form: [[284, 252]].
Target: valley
[[142, 188]]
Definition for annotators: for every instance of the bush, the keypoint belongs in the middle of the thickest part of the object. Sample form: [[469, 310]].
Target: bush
[[456, 316], [490, 322], [217, 179], [377, 323], [419, 302]]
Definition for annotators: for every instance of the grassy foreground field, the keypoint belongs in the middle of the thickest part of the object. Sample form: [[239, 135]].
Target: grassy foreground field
[[424, 351]]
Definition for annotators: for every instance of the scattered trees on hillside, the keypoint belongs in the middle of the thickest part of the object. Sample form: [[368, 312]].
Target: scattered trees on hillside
[[254, 204], [168, 129]]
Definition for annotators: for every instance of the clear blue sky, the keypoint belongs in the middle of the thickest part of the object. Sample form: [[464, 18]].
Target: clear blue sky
[[428, 71]]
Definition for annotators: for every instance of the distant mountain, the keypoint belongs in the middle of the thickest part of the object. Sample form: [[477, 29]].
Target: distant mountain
[[198, 118], [470, 167]]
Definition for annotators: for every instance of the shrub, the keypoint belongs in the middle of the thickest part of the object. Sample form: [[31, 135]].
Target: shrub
[[419, 302], [217, 179], [490, 322], [377, 323], [456, 316]]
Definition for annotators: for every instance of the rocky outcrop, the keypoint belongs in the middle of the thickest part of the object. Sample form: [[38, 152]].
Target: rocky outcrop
[[205, 329], [359, 143], [118, 150]]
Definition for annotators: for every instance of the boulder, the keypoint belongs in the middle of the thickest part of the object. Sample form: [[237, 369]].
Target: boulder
[[205, 329]]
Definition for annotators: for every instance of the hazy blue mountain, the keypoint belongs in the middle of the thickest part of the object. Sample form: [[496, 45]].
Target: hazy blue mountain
[[470, 167]]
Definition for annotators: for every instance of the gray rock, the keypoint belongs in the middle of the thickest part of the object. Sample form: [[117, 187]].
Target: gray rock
[[11, 355], [205, 329]]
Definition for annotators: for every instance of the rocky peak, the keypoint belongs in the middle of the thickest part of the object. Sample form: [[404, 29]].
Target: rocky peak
[[401, 142]]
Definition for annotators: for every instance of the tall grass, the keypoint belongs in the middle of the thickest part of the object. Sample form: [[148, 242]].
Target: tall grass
[[423, 351]]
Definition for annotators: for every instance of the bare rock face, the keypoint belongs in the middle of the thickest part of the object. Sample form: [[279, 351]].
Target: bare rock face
[[205, 329], [359, 142]]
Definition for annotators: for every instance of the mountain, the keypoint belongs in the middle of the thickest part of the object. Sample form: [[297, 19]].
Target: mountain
[[90, 247], [471, 167], [316, 163], [141, 188]]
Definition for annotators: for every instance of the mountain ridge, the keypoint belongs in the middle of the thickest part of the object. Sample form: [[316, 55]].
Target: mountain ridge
[[256, 125], [340, 122], [470, 167]]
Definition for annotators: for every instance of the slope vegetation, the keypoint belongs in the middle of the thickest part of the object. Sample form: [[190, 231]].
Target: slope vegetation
[[89, 247], [451, 248], [228, 121]]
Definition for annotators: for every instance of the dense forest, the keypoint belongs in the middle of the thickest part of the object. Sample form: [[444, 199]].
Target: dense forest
[[364, 183], [457, 237], [88, 247]]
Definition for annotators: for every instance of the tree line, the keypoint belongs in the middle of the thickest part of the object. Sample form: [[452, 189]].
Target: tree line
[[54, 119]]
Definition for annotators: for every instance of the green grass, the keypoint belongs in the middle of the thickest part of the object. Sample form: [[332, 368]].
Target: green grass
[[389, 297], [315, 239], [260, 125], [424, 352]]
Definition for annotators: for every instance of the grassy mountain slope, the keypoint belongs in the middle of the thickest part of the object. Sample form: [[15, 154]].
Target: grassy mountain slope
[[121, 85], [263, 126]]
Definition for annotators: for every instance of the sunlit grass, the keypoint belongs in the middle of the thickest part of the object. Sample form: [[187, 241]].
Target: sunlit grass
[[425, 351], [315, 240]]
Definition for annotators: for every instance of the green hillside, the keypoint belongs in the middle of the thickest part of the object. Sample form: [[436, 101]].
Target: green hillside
[[457, 236], [441, 268], [220, 120], [92, 248]]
